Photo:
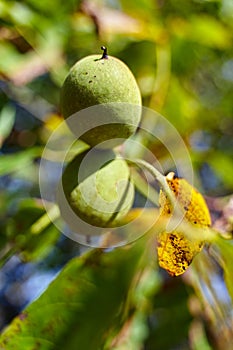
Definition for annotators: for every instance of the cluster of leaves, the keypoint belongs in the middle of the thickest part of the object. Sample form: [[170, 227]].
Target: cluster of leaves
[[181, 55]]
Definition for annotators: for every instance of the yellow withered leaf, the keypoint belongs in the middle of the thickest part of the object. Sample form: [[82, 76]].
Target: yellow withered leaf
[[175, 249]]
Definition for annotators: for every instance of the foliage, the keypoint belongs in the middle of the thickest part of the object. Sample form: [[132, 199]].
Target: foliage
[[181, 55]]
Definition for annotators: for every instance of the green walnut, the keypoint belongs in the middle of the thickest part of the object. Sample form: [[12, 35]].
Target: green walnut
[[97, 187], [109, 85]]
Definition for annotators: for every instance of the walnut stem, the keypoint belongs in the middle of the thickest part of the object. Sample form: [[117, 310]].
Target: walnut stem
[[105, 54]]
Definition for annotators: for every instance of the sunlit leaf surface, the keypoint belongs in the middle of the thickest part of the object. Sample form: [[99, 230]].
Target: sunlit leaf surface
[[82, 305], [175, 250]]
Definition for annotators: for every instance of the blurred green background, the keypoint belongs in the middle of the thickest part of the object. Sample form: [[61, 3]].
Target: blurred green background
[[181, 53]]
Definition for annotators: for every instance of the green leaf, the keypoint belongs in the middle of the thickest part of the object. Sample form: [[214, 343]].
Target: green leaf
[[7, 119], [203, 29], [10, 57], [37, 235], [209, 31], [83, 304], [225, 248], [15, 162], [29, 232]]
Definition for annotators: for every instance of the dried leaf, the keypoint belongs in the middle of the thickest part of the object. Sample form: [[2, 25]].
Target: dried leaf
[[175, 250]]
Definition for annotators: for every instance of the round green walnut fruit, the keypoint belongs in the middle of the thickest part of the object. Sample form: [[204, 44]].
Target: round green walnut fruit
[[109, 85], [97, 187]]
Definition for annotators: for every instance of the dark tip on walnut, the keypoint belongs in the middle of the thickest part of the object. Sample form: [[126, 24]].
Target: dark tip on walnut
[[105, 54]]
